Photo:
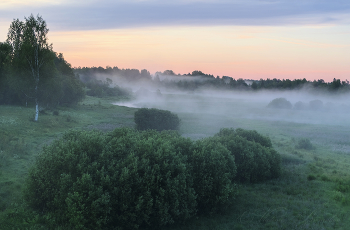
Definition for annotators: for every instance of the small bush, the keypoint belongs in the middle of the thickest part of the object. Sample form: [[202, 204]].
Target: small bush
[[280, 103], [156, 119], [304, 144], [55, 113]]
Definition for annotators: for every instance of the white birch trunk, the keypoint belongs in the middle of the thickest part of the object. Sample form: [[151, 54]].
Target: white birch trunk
[[36, 74], [36, 110]]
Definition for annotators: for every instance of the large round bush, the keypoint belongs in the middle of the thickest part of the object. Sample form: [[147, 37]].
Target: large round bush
[[156, 119], [123, 180]]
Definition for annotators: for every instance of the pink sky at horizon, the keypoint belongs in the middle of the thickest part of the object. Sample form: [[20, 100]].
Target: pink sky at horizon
[[248, 52], [235, 51]]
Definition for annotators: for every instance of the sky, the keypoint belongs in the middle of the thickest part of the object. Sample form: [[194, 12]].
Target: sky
[[249, 39]]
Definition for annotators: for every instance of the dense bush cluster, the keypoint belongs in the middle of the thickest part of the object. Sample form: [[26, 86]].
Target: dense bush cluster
[[156, 119], [128, 179], [280, 103], [255, 158]]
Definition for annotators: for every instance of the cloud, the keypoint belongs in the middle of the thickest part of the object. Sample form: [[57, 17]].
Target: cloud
[[108, 14]]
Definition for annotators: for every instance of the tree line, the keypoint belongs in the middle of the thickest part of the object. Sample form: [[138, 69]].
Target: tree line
[[197, 80]]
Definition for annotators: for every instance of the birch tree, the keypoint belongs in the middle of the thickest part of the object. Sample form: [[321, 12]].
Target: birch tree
[[31, 52]]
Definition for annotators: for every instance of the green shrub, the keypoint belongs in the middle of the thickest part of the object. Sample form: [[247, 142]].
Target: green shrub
[[280, 103], [123, 179], [156, 119], [304, 144], [213, 172], [156, 185], [65, 182], [254, 161], [252, 135]]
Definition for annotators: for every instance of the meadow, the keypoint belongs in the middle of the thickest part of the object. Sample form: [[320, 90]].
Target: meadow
[[313, 191]]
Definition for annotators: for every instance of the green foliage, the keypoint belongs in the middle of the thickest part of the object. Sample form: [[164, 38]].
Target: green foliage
[[34, 73], [156, 186], [156, 119], [62, 175], [304, 143], [128, 179], [5, 58], [252, 135], [213, 171], [71, 87], [280, 103], [255, 162], [343, 186]]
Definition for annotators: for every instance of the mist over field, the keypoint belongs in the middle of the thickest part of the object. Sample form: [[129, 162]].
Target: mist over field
[[332, 110]]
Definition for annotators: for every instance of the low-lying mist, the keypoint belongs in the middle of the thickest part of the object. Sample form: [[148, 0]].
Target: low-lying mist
[[185, 96], [329, 109]]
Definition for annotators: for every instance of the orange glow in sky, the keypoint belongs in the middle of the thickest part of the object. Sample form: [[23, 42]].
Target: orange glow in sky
[[236, 51]]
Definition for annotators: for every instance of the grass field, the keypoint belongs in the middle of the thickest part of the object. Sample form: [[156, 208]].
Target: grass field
[[312, 193]]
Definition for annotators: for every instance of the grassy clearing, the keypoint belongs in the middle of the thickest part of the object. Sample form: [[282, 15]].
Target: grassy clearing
[[312, 193]]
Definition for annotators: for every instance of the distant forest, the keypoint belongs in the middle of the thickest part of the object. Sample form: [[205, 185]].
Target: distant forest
[[199, 80]]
